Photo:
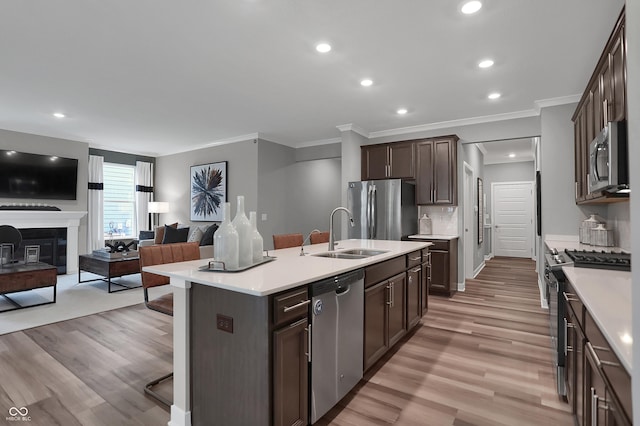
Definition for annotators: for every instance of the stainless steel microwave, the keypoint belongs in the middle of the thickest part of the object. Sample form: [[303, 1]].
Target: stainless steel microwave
[[608, 160]]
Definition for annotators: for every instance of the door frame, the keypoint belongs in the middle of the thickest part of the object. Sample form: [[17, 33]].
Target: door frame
[[468, 221], [532, 239]]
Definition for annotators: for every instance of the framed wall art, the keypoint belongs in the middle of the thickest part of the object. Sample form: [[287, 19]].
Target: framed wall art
[[208, 191]]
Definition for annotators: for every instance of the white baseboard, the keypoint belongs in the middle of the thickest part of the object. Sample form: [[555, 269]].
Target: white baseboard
[[543, 301], [488, 257], [461, 286], [479, 269], [179, 417]]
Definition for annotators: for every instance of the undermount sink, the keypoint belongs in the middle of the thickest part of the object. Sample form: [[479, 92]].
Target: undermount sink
[[350, 254]]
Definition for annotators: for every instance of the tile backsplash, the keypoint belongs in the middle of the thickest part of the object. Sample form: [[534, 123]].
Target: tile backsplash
[[444, 220]]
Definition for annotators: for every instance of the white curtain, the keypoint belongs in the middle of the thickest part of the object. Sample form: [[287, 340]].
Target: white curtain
[[95, 219], [144, 194]]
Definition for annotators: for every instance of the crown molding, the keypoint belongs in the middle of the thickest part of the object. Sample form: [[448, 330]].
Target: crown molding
[[551, 102], [354, 128], [241, 138], [455, 123], [482, 149], [319, 142]]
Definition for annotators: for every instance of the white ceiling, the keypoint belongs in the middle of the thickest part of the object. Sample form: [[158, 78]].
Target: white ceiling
[[159, 76], [497, 152]]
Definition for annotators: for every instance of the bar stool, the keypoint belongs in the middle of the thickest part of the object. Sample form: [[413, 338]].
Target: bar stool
[[281, 241]]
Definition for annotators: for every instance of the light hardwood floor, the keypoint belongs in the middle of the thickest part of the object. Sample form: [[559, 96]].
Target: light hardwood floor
[[482, 357]]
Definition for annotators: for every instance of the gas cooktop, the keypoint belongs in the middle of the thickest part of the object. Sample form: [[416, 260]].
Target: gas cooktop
[[600, 259]]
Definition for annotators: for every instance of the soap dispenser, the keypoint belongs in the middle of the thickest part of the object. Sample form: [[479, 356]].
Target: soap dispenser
[[425, 225]]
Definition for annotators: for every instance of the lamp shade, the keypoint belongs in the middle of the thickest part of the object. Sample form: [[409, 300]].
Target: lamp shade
[[158, 207]]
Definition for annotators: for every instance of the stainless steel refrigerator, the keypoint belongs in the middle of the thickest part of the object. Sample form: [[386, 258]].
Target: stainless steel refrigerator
[[382, 209]]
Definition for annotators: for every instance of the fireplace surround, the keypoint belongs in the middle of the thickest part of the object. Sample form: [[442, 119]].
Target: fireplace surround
[[37, 219]]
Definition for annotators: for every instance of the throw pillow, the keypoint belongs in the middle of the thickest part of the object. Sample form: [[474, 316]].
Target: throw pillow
[[195, 234], [146, 235], [207, 238], [175, 235], [159, 233]]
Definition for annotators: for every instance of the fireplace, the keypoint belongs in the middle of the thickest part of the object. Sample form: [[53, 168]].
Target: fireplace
[[52, 243], [41, 220]]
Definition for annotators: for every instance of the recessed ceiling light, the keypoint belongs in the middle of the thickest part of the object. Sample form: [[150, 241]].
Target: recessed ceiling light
[[366, 82], [493, 95], [59, 115], [512, 155], [323, 47], [401, 111], [471, 7], [486, 63], [53, 158]]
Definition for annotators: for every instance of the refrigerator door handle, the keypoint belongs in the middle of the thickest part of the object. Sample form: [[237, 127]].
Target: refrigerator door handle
[[368, 231], [374, 214]]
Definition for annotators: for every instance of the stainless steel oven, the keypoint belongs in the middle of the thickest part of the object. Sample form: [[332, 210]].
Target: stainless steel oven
[[554, 280]]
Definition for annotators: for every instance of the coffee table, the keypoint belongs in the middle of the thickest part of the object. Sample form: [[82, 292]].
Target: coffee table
[[108, 269], [19, 277]]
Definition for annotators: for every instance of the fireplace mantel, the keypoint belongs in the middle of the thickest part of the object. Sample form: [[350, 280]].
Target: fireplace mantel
[[49, 219]]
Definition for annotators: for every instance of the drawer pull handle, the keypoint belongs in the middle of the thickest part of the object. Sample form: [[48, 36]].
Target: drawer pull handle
[[569, 297], [413, 259], [296, 306], [415, 270]]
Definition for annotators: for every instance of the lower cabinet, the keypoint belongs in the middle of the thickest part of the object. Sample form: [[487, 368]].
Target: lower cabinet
[[384, 317], [598, 386], [414, 305], [444, 267], [290, 358], [425, 280]]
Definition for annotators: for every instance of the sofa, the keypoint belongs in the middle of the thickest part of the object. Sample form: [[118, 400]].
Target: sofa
[[179, 233]]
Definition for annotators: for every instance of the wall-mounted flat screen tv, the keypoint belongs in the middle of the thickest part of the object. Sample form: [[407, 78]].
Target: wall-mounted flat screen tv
[[37, 176]]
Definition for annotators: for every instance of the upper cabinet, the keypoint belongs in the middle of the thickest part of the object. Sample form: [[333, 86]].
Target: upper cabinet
[[431, 162], [388, 161], [603, 100], [436, 171]]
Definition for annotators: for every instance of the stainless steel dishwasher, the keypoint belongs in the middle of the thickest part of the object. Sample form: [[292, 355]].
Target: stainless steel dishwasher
[[337, 340]]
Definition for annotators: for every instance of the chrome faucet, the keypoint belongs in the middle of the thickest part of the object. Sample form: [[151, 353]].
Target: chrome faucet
[[331, 238], [302, 253]]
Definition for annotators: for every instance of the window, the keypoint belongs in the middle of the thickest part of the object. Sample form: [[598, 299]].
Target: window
[[119, 201]]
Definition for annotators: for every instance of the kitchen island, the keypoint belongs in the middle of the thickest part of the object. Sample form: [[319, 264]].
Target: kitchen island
[[225, 323]]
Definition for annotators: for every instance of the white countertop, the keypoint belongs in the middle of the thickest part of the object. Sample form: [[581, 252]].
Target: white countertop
[[607, 296], [433, 237], [289, 270]]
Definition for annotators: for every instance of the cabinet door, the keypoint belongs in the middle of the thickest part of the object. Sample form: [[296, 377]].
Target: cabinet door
[[581, 157], [440, 272], [425, 279], [414, 308], [424, 173], [618, 54], [401, 161], [374, 162], [397, 308], [606, 82], [376, 338], [570, 360], [595, 393], [290, 375], [589, 119], [444, 172], [598, 115]]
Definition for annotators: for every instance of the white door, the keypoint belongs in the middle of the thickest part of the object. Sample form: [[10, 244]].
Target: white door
[[512, 205]]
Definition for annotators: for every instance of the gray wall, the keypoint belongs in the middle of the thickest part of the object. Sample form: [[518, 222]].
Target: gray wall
[[474, 157], [173, 175], [36, 144], [522, 171], [273, 190]]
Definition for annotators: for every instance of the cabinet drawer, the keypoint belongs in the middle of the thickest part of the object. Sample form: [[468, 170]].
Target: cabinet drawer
[[383, 270], [440, 245], [425, 255], [615, 373], [414, 259], [290, 305]]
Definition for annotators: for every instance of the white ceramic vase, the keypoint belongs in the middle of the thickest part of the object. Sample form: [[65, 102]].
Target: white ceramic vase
[[243, 227], [225, 241], [257, 244]]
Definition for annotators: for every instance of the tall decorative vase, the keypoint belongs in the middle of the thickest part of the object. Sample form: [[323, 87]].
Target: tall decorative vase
[[225, 240], [256, 239], [243, 227]]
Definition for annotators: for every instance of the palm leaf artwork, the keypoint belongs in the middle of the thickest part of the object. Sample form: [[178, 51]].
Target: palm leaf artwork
[[207, 191]]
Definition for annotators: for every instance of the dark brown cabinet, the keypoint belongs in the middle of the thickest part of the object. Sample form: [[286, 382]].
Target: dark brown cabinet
[[604, 100], [290, 359], [388, 161], [436, 171], [425, 280], [414, 308], [444, 267], [397, 307]]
